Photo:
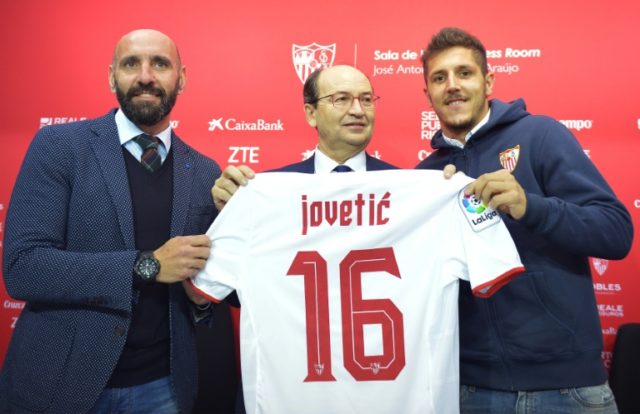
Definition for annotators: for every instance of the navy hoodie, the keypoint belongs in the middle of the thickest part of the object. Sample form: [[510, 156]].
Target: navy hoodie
[[541, 330]]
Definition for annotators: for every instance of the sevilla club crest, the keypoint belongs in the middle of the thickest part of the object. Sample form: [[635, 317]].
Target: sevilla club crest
[[600, 265], [509, 158], [307, 59]]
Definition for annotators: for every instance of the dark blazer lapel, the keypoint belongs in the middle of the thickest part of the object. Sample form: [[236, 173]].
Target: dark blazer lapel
[[108, 151], [308, 166], [182, 177]]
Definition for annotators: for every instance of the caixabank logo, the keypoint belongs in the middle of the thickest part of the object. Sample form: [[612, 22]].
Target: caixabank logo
[[236, 125]]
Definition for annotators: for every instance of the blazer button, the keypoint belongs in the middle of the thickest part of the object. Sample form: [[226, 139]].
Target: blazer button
[[120, 330]]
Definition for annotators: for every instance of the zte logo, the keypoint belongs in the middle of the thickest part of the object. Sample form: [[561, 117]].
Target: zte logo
[[244, 155]]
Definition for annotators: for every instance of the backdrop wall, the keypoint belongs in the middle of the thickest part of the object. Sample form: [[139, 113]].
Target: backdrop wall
[[575, 61]]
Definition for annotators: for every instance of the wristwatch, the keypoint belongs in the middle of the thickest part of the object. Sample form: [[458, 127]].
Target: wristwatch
[[147, 267]]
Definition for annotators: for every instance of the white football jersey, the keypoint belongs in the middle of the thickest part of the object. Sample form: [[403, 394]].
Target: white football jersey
[[349, 287]]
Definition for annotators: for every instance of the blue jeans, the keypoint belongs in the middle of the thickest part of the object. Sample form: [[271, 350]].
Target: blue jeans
[[153, 397], [592, 400]]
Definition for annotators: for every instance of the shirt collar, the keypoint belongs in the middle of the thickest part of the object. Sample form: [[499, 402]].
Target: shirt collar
[[456, 143], [127, 130], [324, 164]]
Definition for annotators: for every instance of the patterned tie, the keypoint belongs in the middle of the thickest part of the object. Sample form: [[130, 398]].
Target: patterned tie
[[150, 156], [342, 168]]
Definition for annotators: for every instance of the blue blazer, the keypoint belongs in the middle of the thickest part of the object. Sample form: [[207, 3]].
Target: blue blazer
[[307, 166], [69, 251]]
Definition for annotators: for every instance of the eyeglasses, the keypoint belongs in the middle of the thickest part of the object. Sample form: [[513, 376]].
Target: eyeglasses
[[344, 100]]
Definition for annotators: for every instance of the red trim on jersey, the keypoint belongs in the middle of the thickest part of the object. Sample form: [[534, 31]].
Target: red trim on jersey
[[493, 286], [203, 293]]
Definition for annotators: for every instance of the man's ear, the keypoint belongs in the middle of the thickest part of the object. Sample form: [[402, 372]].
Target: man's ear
[[182, 81], [426, 93], [489, 79], [112, 79], [310, 115]]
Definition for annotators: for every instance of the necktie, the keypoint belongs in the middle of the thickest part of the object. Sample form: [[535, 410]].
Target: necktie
[[150, 156], [342, 168]]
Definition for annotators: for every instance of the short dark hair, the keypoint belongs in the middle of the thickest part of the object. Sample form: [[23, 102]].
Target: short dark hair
[[310, 89], [449, 37]]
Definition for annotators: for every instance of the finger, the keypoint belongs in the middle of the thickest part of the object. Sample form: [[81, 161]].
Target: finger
[[194, 266], [493, 189], [199, 240], [247, 171], [235, 175], [477, 187], [503, 201], [201, 253], [220, 197], [227, 185], [449, 170]]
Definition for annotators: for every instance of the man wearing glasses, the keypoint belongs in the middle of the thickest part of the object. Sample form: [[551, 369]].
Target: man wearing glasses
[[339, 103]]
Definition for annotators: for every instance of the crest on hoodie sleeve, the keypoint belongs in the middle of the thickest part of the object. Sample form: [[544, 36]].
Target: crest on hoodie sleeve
[[509, 158]]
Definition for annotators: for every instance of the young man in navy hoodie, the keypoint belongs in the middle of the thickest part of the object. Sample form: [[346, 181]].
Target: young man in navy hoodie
[[536, 345]]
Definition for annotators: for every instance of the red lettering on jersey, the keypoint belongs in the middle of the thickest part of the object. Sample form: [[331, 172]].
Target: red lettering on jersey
[[357, 211]]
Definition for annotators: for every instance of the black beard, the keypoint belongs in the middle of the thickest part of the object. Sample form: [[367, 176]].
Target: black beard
[[461, 127], [146, 113]]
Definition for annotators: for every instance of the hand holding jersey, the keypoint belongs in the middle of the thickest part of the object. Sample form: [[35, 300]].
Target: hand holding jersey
[[498, 189], [182, 257], [229, 182]]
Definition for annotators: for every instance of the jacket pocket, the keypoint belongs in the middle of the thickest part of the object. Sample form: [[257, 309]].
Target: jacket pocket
[[36, 359], [533, 320], [199, 219]]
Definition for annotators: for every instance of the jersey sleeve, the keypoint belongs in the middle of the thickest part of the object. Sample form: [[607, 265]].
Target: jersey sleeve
[[229, 235], [487, 249]]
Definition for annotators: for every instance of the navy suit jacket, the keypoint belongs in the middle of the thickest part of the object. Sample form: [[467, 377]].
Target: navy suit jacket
[[69, 250], [308, 165]]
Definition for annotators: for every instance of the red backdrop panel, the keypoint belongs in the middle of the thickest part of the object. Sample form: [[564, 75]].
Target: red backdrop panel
[[571, 60]]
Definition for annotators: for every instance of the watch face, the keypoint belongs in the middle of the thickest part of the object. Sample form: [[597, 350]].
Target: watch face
[[147, 267]]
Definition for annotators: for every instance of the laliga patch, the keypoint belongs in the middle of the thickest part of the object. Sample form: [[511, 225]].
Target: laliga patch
[[479, 216]]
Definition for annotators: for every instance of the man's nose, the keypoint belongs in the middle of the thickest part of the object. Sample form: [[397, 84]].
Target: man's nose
[[356, 106], [146, 74]]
